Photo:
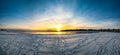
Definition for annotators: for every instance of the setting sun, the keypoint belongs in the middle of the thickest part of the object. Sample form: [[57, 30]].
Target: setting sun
[[58, 27]]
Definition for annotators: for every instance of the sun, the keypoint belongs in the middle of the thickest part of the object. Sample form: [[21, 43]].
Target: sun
[[58, 27]]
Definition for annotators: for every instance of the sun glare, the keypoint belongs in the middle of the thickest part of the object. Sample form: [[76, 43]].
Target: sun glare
[[58, 27]]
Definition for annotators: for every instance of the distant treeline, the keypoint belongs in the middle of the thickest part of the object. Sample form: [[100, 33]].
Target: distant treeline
[[101, 30], [24, 30]]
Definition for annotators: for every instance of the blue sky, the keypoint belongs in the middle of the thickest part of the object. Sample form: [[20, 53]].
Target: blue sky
[[68, 13]]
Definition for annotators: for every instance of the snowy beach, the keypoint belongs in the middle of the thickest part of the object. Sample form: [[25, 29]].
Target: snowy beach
[[101, 43]]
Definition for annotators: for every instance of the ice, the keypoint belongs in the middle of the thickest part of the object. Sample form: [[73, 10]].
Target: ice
[[101, 43]]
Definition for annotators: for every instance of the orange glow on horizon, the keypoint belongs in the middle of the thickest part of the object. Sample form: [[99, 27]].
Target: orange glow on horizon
[[57, 27]]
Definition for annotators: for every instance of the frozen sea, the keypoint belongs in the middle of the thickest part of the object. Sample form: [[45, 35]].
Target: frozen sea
[[100, 43]]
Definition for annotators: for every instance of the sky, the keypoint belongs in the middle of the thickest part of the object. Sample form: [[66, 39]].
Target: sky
[[47, 14]]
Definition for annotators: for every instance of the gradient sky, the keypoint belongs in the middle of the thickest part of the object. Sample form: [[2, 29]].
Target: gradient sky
[[42, 14]]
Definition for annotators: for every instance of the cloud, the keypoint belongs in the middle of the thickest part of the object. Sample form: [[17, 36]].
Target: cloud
[[59, 15], [52, 16]]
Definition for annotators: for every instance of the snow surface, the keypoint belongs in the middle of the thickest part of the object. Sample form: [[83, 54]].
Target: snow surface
[[102, 43]]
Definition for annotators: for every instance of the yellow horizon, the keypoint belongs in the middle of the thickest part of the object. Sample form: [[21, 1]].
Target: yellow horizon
[[56, 27]]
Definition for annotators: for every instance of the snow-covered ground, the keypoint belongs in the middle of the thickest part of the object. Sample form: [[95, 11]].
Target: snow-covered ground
[[102, 43]]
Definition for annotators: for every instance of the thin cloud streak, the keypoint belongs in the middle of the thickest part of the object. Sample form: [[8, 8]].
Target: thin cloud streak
[[58, 15]]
